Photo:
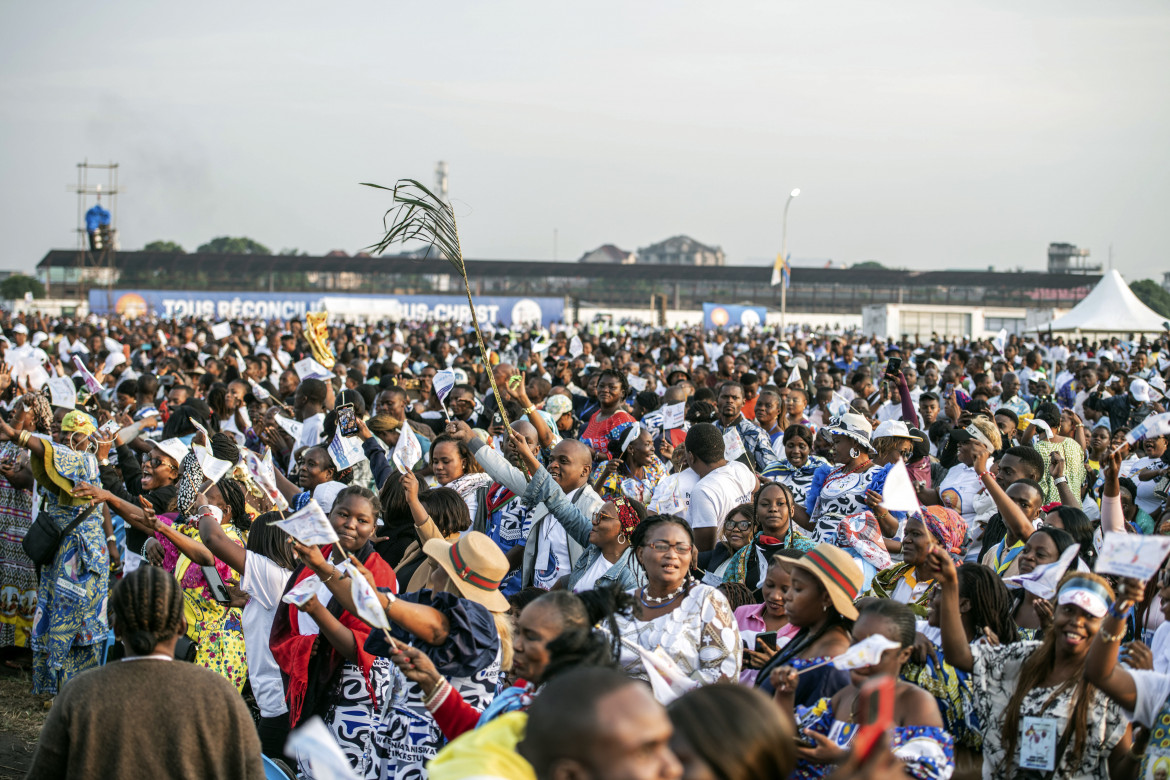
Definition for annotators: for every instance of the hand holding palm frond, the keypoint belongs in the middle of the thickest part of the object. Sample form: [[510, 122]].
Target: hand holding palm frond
[[420, 215]]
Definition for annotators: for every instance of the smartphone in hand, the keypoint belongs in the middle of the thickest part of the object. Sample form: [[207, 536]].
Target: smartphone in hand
[[347, 420], [875, 711]]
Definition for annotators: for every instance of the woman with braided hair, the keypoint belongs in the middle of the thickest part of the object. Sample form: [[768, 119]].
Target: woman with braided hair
[[108, 721], [18, 578]]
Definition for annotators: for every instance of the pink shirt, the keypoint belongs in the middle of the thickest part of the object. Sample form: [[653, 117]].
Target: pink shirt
[[750, 619]]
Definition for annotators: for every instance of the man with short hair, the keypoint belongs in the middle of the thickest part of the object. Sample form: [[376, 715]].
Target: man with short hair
[[597, 724], [756, 443], [721, 487], [1009, 395], [1016, 463]]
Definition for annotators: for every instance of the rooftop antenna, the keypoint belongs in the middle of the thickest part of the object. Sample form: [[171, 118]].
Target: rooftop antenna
[[441, 180]]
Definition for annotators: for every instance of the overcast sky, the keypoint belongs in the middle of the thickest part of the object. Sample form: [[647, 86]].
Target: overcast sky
[[922, 134]]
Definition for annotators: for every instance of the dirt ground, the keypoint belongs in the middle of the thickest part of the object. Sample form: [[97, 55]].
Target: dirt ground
[[21, 716]]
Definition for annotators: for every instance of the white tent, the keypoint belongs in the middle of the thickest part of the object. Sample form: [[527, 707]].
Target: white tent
[[1110, 308]]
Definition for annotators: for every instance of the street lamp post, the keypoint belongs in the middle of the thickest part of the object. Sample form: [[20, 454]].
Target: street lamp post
[[784, 256]]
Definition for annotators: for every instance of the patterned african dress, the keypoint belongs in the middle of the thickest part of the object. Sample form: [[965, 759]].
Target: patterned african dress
[[915, 594], [596, 433], [797, 479], [619, 484], [18, 576], [926, 752], [700, 636], [951, 689], [832, 496], [217, 630], [69, 626]]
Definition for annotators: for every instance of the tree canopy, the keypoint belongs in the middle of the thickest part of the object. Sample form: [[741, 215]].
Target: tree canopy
[[868, 264], [15, 286], [226, 245], [171, 247], [1151, 294]]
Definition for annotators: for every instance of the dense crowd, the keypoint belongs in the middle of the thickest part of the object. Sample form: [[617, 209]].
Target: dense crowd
[[599, 552]]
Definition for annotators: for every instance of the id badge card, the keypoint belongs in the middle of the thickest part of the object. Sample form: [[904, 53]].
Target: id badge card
[[1038, 737]]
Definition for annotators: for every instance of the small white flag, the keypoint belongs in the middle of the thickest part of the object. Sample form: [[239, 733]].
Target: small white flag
[[667, 680], [1132, 555], [309, 525], [345, 451], [636, 382], [264, 475], [1000, 340], [91, 384], [443, 382], [258, 390], [1151, 427], [299, 594], [867, 652], [62, 392], [673, 415], [221, 330], [898, 492], [408, 451], [1042, 580], [576, 348], [839, 405], [315, 749], [733, 448], [398, 359], [794, 377], [311, 369], [365, 600], [294, 428], [212, 467]]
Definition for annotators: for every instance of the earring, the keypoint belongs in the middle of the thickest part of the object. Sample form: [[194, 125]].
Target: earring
[[622, 539], [854, 452], [824, 607]]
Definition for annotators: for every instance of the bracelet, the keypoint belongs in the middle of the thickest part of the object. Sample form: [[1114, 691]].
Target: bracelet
[[1110, 638], [332, 574], [530, 409], [438, 696], [111, 538], [1114, 612], [983, 474], [1061, 480], [22, 440]]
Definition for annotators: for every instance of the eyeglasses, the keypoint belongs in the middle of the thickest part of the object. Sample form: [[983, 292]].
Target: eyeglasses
[[738, 525], [682, 548], [154, 463], [906, 454]]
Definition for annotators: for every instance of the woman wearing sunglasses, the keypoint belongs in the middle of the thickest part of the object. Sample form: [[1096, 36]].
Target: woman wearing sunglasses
[[736, 533], [690, 621]]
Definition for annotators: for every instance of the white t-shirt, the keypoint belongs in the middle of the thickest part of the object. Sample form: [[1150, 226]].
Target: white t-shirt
[[311, 433], [718, 493], [1153, 688], [592, 574], [552, 554], [958, 488], [1145, 498], [1160, 648], [264, 581], [672, 494]]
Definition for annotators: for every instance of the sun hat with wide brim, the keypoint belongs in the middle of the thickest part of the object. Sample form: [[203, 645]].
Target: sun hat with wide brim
[[837, 572], [894, 429], [854, 426], [476, 567]]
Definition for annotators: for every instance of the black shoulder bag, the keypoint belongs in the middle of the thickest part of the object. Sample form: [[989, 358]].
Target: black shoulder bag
[[44, 536]]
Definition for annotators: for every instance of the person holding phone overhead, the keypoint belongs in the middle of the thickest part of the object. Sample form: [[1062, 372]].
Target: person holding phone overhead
[[918, 737]]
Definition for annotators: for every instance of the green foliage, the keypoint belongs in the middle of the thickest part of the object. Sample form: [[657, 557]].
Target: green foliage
[[170, 247], [421, 216], [292, 252], [868, 264], [1151, 294], [226, 245], [15, 286]]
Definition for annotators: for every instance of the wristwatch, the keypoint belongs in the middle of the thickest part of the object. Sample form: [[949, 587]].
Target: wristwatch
[[1060, 480], [104, 462]]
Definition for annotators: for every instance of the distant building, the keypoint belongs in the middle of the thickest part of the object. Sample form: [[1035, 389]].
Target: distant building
[[681, 250], [608, 253], [1070, 259]]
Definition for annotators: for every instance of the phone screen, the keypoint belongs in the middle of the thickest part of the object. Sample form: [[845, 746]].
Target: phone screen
[[346, 420], [894, 366], [219, 590], [768, 638]]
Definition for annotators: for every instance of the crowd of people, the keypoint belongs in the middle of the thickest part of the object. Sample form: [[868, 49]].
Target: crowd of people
[[596, 552]]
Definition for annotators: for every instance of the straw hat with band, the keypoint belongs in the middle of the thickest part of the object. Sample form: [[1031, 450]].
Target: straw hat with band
[[476, 567], [837, 572], [853, 426]]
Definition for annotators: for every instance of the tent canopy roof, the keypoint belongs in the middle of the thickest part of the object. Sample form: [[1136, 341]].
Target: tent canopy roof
[[1110, 308]]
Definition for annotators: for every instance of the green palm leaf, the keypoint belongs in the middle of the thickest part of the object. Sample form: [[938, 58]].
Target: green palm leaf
[[420, 215]]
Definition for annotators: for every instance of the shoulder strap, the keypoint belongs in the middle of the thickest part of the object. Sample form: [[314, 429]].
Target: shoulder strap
[[69, 528]]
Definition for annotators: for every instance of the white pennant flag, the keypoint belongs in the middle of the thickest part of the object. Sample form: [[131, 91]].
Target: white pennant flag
[[733, 448], [91, 384], [258, 390], [365, 599], [794, 377], [212, 467], [1000, 340], [898, 492], [1151, 427], [443, 383], [264, 475], [667, 680], [309, 525], [636, 382], [62, 392], [294, 428], [1043, 580], [576, 348], [673, 415], [311, 369], [839, 405], [867, 652], [408, 451], [345, 451], [314, 748], [299, 594]]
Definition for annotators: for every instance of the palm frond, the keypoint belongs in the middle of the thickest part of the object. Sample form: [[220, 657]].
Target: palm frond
[[423, 216]]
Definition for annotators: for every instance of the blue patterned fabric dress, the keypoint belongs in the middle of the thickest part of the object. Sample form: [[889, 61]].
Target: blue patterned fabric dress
[[927, 752], [69, 627]]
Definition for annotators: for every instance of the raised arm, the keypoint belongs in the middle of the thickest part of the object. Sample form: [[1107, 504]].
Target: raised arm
[[956, 649], [1013, 517], [1112, 517], [1101, 667], [220, 544], [1056, 464]]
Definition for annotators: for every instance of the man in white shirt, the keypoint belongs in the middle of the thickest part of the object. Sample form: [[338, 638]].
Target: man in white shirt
[[721, 486]]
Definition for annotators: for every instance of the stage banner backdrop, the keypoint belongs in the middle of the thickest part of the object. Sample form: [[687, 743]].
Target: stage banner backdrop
[[510, 311], [725, 315]]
